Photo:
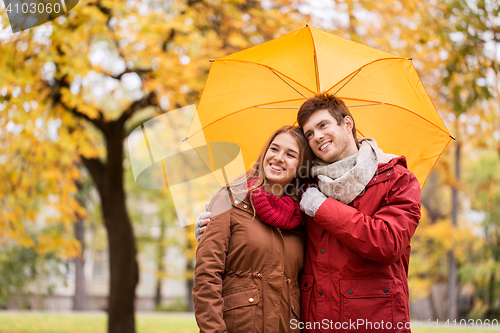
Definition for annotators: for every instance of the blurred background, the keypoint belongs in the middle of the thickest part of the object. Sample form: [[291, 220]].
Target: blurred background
[[76, 233]]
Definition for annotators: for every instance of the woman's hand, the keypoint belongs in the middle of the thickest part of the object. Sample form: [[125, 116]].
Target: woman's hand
[[201, 223]]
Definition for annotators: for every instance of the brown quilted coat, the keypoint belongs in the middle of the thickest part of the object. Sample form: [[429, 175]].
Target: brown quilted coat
[[247, 272]]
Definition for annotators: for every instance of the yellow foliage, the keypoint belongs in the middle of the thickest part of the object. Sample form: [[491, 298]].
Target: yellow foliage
[[89, 110], [68, 98], [63, 245]]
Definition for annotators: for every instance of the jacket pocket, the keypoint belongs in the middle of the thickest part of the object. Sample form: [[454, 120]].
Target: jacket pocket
[[369, 303], [306, 283], [239, 309]]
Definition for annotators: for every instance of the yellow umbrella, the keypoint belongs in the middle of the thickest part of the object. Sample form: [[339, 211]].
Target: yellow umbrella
[[251, 93]]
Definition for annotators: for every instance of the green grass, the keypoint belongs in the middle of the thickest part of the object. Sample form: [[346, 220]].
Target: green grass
[[158, 322], [39, 322], [426, 328]]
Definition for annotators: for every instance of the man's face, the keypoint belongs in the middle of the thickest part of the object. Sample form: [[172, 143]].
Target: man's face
[[329, 141]]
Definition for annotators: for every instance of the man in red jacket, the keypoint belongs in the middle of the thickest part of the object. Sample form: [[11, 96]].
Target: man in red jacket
[[363, 217]]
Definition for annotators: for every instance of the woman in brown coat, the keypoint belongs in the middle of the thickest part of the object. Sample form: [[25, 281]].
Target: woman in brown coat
[[249, 259]]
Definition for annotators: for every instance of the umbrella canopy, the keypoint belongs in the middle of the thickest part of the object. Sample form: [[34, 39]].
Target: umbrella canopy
[[251, 93]]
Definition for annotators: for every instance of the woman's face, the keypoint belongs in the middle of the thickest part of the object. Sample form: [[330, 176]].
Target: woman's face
[[281, 162]]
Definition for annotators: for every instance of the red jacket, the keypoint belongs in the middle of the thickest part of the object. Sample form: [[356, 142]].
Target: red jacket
[[357, 255]]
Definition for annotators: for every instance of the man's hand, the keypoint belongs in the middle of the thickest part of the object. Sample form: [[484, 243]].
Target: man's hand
[[201, 223], [311, 200]]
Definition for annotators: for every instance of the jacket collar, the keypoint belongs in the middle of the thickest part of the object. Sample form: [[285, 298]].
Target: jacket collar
[[240, 204], [385, 171]]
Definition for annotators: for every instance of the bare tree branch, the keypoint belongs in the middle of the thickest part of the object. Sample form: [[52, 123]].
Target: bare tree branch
[[133, 126], [57, 99], [106, 11], [148, 100], [97, 170], [141, 72]]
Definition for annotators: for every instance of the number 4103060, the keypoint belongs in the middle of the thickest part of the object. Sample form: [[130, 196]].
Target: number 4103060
[[35, 8], [471, 324]]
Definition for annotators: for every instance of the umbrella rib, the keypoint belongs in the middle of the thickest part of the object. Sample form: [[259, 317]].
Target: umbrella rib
[[288, 84], [402, 108], [435, 161], [374, 61], [351, 106], [278, 107], [359, 132], [352, 77], [253, 106], [315, 62], [296, 107], [268, 67]]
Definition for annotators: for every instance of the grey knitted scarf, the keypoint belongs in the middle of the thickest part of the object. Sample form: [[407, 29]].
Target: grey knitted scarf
[[344, 180]]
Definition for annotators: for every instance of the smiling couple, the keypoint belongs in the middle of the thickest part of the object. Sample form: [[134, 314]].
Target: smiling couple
[[252, 273]]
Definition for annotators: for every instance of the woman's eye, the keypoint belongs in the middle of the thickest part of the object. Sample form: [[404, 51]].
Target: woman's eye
[[292, 156], [274, 149]]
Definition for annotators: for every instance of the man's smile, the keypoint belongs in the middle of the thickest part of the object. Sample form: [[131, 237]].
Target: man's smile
[[325, 146]]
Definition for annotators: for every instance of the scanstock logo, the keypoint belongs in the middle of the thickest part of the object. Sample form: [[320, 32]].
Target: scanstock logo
[[26, 14]]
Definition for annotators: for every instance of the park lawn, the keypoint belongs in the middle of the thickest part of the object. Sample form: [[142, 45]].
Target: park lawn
[[39, 322]]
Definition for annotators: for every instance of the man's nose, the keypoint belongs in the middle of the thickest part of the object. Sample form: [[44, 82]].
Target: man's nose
[[318, 135]]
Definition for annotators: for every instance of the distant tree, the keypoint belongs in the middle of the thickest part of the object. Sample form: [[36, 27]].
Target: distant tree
[[23, 270]]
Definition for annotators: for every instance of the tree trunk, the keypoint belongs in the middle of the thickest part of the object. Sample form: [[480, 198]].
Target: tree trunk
[[453, 290], [160, 268], [452, 286], [80, 298], [491, 298], [190, 300], [190, 281], [123, 267]]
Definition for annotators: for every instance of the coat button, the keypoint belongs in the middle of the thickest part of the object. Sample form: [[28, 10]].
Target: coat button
[[250, 299], [305, 284], [374, 179], [388, 174], [321, 292], [386, 290], [322, 251], [236, 202], [245, 206], [259, 275], [349, 292]]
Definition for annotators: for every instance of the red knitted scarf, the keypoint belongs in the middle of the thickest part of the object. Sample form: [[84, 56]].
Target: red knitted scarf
[[283, 212]]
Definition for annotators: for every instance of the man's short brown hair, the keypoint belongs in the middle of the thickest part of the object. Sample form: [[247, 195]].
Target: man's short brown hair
[[335, 106]]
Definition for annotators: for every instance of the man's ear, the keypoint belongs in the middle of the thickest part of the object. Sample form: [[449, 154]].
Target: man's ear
[[349, 124]]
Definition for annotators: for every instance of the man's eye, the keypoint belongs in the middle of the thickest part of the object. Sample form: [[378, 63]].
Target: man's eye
[[322, 125]]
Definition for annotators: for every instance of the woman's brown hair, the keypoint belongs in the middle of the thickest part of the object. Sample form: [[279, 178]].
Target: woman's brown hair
[[305, 162]]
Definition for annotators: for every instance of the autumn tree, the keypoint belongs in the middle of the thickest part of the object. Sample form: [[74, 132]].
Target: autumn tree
[[99, 72]]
